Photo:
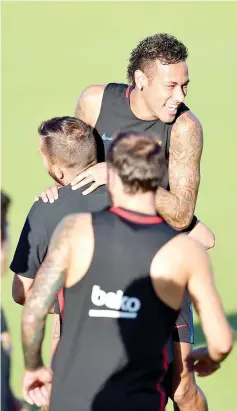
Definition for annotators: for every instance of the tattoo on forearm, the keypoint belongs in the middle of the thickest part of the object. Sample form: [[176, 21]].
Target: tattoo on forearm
[[177, 206], [49, 280]]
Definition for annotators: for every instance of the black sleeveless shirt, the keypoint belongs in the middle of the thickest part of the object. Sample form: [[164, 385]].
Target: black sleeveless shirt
[[116, 115], [112, 352]]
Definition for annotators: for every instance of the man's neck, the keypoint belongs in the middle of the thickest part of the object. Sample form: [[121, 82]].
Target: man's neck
[[70, 175], [142, 203], [139, 107]]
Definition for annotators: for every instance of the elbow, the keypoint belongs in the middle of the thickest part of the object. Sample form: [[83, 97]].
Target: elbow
[[204, 235], [20, 289], [181, 225], [228, 344], [206, 238], [184, 221], [18, 294], [19, 299], [225, 346], [210, 243]]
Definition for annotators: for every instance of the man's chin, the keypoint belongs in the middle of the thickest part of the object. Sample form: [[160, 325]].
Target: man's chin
[[167, 118]]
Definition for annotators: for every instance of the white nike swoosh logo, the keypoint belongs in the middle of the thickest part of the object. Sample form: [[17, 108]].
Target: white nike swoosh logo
[[104, 137]]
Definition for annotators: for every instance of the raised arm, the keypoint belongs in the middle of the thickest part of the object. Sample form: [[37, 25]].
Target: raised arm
[[186, 144]]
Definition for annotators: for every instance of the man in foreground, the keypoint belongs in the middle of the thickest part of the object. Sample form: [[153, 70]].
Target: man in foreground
[[67, 146], [125, 271]]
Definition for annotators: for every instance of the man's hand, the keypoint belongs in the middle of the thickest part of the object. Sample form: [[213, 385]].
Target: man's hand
[[200, 361], [97, 175], [50, 194], [36, 386]]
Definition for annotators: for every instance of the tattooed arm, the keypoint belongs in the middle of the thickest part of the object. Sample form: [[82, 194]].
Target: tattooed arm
[[186, 143], [50, 278]]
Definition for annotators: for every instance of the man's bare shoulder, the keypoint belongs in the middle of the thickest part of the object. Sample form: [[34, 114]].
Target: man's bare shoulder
[[187, 122], [177, 253], [88, 103], [76, 222]]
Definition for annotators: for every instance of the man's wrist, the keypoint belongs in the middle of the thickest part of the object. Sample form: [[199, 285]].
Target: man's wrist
[[34, 366]]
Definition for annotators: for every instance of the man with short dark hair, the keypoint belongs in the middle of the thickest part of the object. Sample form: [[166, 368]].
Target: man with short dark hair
[[67, 147], [125, 271]]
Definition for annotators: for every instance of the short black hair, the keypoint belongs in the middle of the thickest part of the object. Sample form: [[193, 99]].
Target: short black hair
[[160, 46], [5, 202], [138, 160], [68, 141]]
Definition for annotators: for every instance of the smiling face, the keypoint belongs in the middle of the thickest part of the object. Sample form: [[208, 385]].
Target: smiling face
[[164, 88]]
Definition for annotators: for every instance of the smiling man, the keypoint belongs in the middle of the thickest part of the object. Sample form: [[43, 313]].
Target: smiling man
[[154, 102]]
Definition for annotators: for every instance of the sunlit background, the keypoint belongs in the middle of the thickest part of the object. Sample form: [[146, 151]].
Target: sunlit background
[[51, 51]]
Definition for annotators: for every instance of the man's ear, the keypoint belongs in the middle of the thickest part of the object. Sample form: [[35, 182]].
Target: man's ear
[[140, 79], [58, 172]]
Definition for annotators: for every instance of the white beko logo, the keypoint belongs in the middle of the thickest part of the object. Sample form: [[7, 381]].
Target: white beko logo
[[120, 306]]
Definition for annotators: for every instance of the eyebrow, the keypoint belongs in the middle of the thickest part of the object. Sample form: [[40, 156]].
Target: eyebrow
[[174, 83]]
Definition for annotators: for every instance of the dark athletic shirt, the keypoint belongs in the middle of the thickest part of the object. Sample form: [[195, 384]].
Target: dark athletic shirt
[[116, 115], [42, 221], [112, 353]]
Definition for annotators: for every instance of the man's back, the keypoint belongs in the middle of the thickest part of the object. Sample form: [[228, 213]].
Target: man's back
[[70, 202], [114, 305], [43, 219]]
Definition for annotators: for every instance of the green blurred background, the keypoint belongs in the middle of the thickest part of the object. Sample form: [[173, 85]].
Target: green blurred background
[[52, 50]]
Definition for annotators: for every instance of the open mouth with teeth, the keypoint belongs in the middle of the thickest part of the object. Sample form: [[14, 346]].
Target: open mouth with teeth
[[172, 108]]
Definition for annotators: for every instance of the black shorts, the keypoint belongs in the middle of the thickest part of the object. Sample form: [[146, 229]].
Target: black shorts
[[184, 330]]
